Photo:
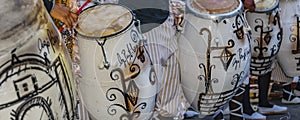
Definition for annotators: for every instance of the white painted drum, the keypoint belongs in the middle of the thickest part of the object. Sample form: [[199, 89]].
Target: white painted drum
[[289, 53], [118, 81], [266, 36], [36, 79], [214, 53]]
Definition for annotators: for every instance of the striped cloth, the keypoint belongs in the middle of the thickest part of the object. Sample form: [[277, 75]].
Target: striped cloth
[[162, 46], [278, 75]]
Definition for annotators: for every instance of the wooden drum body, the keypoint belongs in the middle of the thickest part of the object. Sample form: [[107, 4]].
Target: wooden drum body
[[289, 53], [36, 79], [118, 80], [266, 36], [214, 53]]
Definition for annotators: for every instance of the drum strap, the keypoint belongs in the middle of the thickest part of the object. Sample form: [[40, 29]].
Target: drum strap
[[236, 106]]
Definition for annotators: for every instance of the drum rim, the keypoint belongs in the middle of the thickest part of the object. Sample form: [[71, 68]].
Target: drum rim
[[269, 9], [111, 35], [215, 17]]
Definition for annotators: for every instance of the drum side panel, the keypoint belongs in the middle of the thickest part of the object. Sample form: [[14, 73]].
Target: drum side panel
[[266, 40], [289, 55], [36, 78], [118, 80], [214, 59]]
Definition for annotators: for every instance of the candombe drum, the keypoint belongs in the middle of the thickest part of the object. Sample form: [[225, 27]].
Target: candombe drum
[[266, 36], [289, 53], [36, 80], [214, 53], [118, 80]]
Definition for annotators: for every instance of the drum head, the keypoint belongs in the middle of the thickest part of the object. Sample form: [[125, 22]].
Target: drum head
[[215, 10], [214, 6], [103, 20], [266, 5]]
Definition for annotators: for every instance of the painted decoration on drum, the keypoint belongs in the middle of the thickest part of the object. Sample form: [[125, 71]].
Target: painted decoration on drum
[[239, 26], [38, 86], [129, 89], [118, 79], [295, 38], [36, 80], [267, 38], [226, 57], [288, 56], [214, 56]]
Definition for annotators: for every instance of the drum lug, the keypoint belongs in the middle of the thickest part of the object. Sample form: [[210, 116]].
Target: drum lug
[[138, 25], [106, 63]]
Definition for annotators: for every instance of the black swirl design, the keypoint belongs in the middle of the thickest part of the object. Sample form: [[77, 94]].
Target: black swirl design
[[32, 75], [129, 91], [262, 63], [238, 26]]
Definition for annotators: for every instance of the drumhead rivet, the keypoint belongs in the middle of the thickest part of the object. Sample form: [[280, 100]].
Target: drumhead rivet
[[106, 65]]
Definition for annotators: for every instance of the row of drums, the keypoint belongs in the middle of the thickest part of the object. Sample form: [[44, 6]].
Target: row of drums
[[219, 47]]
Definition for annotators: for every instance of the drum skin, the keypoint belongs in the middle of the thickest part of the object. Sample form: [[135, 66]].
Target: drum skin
[[214, 58], [118, 80], [266, 38], [36, 79], [289, 53]]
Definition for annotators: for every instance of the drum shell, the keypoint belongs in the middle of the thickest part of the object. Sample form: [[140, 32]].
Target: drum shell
[[266, 40], [194, 60], [36, 75], [288, 56], [105, 90]]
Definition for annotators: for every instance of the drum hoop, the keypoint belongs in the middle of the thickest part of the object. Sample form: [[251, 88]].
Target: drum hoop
[[269, 9], [125, 29], [215, 17]]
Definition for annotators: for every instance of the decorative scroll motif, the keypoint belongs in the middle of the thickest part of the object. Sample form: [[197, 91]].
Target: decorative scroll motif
[[295, 38], [238, 26], [23, 72], [237, 78], [226, 58], [265, 36], [264, 41], [129, 91], [276, 21], [130, 94], [209, 102]]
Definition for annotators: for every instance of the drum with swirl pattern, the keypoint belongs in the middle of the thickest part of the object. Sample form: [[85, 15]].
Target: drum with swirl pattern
[[214, 53], [266, 36], [118, 80], [36, 79], [289, 53]]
